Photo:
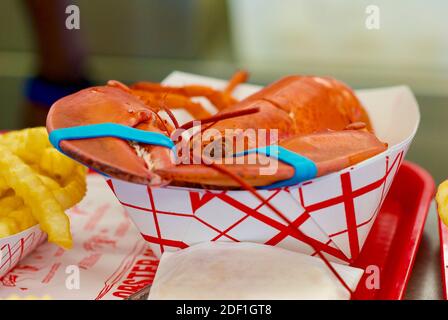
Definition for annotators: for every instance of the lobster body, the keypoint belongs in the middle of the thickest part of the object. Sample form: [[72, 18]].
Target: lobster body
[[300, 105], [315, 117]]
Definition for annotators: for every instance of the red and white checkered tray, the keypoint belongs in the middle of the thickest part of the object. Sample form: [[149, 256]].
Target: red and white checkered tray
[[335, 212]]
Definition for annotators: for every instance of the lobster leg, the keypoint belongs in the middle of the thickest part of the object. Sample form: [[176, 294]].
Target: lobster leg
[[220, 99], [172, 101]]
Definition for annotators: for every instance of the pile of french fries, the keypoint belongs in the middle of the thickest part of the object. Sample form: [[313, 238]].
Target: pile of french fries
[[37, 185]]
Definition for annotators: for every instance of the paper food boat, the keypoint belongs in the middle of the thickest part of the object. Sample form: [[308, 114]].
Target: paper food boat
[[18, 246], [335, 212]]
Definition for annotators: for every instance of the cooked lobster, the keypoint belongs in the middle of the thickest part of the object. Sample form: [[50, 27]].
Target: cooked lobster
[[319, 118]]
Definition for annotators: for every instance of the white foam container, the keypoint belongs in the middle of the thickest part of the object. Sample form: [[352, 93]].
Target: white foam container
[[335, 212]]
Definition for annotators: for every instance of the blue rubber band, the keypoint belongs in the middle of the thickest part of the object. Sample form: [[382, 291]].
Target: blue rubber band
[[304, 168], [102, 130]]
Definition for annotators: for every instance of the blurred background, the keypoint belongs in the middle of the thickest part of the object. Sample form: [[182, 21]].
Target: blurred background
[[147, 39]]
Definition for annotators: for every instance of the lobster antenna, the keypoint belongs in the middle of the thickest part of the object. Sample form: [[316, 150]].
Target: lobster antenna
[[169, 112], [119, 85], [221, 116], [163, 122], [213, 119]]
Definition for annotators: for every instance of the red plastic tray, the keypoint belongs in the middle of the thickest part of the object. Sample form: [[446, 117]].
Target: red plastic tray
[[393, 242]]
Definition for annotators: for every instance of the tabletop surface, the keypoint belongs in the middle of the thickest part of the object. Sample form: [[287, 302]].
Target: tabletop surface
[[426, 280]]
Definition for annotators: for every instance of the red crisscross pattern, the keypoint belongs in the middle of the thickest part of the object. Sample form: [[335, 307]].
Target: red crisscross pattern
[[13, 249], [174, 218]]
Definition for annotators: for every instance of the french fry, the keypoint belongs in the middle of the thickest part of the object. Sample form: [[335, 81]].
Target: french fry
[[28, 144], [49, 182], [442, 201], [27, 185], [3, 187], [23, 218], [56, 164], [73, 191], [9, 203], [8, 227]]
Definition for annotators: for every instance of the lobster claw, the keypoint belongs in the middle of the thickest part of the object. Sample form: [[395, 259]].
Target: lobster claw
[[335, 150], [109, 155]]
